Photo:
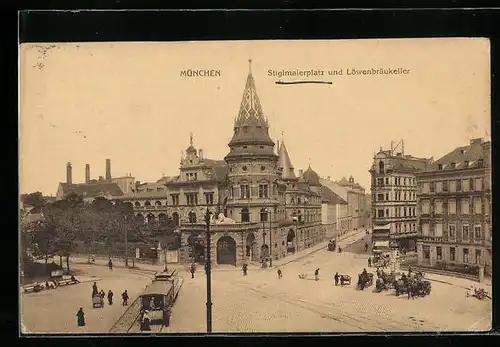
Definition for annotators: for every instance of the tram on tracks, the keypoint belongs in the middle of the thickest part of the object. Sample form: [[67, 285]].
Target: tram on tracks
[[159, 297]]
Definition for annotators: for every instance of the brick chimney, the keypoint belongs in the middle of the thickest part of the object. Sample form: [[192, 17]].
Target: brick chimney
[[69, 173], [87, 173], [200, 153], [108, 169]]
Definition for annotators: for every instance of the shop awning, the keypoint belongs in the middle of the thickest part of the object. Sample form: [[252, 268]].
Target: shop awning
[[381, 244]]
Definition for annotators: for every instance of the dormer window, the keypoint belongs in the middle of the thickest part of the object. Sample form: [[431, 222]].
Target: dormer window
[[440, 166], [453, 165], [480, 163], [466, 163]]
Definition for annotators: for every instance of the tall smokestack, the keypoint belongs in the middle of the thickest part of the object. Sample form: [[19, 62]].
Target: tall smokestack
[[87, 173], [69, 176], [108, 169]]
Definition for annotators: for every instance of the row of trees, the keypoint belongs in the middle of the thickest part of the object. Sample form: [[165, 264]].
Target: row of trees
[[70, 222]]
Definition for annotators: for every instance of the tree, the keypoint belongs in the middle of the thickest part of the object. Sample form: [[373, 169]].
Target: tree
[[35, 200]]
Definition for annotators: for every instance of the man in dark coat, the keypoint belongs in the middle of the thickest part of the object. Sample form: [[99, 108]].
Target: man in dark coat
[[110, 264], [110, 297], [370, 262], [125, 298], [245, 268], [81, 317], [280, 274], [336, 278], [316, 274], [94, 289]]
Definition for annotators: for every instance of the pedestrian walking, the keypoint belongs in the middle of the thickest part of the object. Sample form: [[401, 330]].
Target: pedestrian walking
[[245, 268], [366, 247], [110, 264], [110, 297], [336, 278], [102, 294], [193, 269], [370, 262], [316, 275], [94, 289], [81, 317], [280, 274], [125, 298]]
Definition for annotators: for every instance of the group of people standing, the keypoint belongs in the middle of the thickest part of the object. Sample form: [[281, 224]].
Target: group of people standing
[[95, 291]]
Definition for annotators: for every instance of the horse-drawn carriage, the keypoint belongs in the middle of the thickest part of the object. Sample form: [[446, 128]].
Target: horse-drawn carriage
[[365, 280], [385, 281], [413, 286]]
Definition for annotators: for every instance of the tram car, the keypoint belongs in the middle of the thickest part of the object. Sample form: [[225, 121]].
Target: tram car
[[158, 300]]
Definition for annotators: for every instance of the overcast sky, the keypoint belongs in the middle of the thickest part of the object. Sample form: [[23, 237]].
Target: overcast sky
[[85, 102]]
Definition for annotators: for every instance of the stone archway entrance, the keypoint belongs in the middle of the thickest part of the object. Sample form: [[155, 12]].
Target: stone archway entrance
[[251, 247], [226, 250], [290, 241]]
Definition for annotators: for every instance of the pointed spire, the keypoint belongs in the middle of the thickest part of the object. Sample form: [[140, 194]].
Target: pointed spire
[[250, 66], [191, 138], [285, 163], [191, 148]]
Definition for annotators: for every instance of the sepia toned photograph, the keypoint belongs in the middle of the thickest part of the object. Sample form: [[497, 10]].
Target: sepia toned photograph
[[329, 186]]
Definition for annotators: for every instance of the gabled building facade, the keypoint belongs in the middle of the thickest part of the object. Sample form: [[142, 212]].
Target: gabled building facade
[[454, 208]]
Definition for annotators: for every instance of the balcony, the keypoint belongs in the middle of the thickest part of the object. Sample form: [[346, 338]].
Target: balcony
[[438, 239]]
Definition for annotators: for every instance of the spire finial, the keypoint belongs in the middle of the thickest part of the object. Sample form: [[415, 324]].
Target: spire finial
[[250, 65], [191, 139]]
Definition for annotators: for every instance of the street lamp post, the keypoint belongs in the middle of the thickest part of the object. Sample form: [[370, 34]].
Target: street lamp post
[[126, 244], [208, 272]]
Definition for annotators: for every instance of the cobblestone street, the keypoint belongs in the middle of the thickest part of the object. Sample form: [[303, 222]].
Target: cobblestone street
[[260, 302]]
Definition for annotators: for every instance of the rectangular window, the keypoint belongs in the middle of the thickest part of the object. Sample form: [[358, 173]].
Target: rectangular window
[[452, 206], [175, 199], [439, 253], [445, 186], [479, 184], [380, 213], [472, 184], [425, 229], [465, 232], [425, 187], [477, 232], [452, 254], [465, 185], [466, 255], [439, 187], [453, 186], [477, 205], [432, 187], [438, 230], [425, 206], [263, 191], [380, 181], [452, 231], [464, 208], [380, 197], [478, 256], [209, 198], [438, 206], [245, 191], [386, 196], [459, 185], [387, 180]]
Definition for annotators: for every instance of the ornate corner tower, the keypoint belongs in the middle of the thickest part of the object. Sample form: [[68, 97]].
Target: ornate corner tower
[[253, 164]]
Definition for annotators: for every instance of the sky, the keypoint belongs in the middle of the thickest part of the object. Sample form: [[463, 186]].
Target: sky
[[127, 101]]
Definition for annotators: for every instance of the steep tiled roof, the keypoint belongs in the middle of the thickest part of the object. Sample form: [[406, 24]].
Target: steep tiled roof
[[460, 155], [408, 163], [285, 163], [92, 190], [328, 196], [343, 182], [311, 177]]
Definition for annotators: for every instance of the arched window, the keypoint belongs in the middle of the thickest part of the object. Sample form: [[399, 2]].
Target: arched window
[[381, 167], [192, 217], [162, 219], [137, 204], [175, 219], [245, 215], [263, 215], [151, 219], [147, 203], [158, 203]]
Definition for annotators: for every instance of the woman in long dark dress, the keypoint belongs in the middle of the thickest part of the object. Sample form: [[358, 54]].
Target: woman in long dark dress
[[81, 317]]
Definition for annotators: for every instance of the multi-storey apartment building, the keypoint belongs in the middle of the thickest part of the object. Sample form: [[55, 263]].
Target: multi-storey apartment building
[[454, 206], [394, 198]]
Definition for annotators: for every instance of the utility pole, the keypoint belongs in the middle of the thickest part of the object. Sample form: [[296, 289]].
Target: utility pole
[[208, 272], [126, 242]]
